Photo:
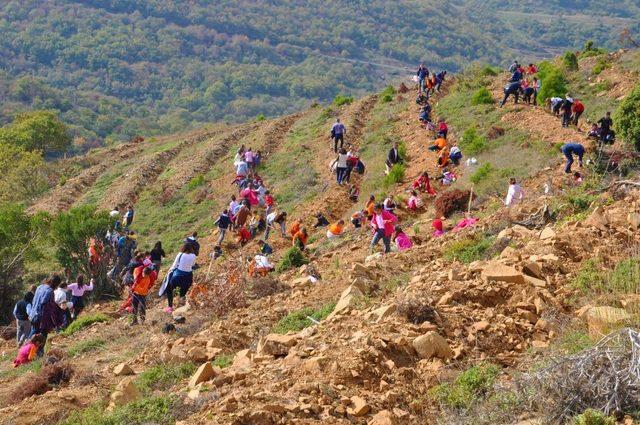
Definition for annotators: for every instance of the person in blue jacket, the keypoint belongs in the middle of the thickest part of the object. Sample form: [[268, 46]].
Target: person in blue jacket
[[422, 73], [570, 149]]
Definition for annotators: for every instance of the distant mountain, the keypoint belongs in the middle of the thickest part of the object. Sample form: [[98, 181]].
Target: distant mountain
[[118, 68]]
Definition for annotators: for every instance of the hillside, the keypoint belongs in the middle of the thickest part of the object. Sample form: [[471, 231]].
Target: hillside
[[117, 69], [459, 329]]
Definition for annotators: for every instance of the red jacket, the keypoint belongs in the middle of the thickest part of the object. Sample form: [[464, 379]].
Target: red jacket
[[389, 227], [578, 106]]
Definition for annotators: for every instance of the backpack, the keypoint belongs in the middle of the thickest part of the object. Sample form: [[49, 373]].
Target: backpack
[[359, 167]]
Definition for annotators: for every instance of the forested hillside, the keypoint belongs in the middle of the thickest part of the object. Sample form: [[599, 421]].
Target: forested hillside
[[117, 68]]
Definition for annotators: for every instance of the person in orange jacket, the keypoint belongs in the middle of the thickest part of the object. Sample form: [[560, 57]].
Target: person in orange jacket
[[300, 238], [143, 279], [439, 144], [295, 228]]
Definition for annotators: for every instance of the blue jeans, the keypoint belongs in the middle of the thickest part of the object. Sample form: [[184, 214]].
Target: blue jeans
[[569, 155], [385, 239], [341, 174], [421, 82]]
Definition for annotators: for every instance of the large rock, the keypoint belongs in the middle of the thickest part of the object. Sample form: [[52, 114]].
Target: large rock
[[547, 234], [197, 354], [347, 299], [125, 392], [533, 269], [634, 220], [204, 373], [383, 417], [602, 320], [360, 407], [381, 313], [243, 359], [122, 369], [496, 272], [276, 345], [431, 345]]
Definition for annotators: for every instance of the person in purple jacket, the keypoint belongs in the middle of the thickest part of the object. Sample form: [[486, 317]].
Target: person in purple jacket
[[78, 289]]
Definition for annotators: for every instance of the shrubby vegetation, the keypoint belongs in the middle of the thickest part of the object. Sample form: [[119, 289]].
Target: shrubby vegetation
[[627, 118]]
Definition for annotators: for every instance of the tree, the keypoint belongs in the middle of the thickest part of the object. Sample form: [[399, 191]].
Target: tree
[[24, 174], [37, 130], [570, 61], [626, 118], [553, 81]]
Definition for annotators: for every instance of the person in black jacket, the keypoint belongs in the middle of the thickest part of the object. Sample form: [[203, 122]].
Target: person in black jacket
[[21, 313], [193, 241], [393, 157], [223, 223], [157, 254], [567, 110], [513, 88]]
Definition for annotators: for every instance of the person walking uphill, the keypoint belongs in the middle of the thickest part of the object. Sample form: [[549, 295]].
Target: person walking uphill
[[338, 131], [143, 280], [422, 73], [21, 314], [181, 275], [44, 315], [157, 254], [223, 221], [383, 223], [567, 110], [78, 289], [568, 150], [341, 166]]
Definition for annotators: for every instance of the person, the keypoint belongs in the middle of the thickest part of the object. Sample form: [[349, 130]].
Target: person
[[128, 216], [438, 144], [265, 248], [566, 108], [193, 241], [255, 222], [242, 170], [594, 132], [389, 204], [437, 228], [300, 238], [239, 156], [423, 183], [217, 252], [422, 100], [443, 129], [257, 159], [414, 201], [369, 206], [181, 275], [527, 92], [423, 74], [269, 202], [577, 109], [64, 306], [516, 75], [335, 229], [511, 89], [515, 194], [440, 76], [455, 154], [383, 223], [555, 103], [248, 158], [244, 235], [44, 315], [272, 218], [532, 69], [338, 131], [78, 289], [156, 255], [393, 157], [115, 216], [443, 158], [321, 221], [241, 215], [223, 222], [605, 125], [514, 66], [425, 114], [568, 150], [403, 242], [341, 166], [28, 352], [536, 85], [577, 178], [358, 218], [354, 192], [143, 280], [21, 314]]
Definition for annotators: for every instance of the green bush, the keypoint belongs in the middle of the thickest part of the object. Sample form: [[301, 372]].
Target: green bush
[[299, 320], [396, 175], [86, 346], [600, 66], [626, 118], [156, 410], [570, 61], [593, 417], [292, 258], [574, 341], [342, 99], [482, 96], [468, 387], [222, 361], [196, 181], [84, 321], [489, 71], [553, 81], [472, 143], [625, 276], [482, 173], [387, 94], [590, 276], [261, 117], [470, 249], [163, 376]]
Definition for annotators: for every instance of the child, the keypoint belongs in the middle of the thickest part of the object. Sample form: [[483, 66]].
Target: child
[[29, 351], [269, 202], [265, 248], [455, 155], [321, 221], [437, 228], [217, 252], [594, 132], [300, 239], [443, 130], [335, 229], [243, 235], [414, 201], [354, 193], [577, 178], [443, 158], [448, 177], [389, 204], [144, 278], [358, 218], [424, 184], [403, 242]]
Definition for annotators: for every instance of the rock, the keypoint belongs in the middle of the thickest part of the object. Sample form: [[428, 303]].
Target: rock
[[360, 407], [602, 320], [274, 408], [431, 345], [480, 326], [496, 272], [197, 354], [531, 268], [122, 369], [204, 373], [383, 417], [634, 220], [315, 364], [346, 300], [276, 345], [242, 359], [126, 392], [193, 393], [547, 233], [454, 274], [535, 282], [383, 312]]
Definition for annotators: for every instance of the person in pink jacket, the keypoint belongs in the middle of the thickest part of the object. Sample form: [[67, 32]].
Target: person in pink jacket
[[383, 223], [250, 196]]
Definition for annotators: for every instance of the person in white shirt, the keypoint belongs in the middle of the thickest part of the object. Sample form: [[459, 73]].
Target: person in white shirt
[[181, 275], [515, 194]]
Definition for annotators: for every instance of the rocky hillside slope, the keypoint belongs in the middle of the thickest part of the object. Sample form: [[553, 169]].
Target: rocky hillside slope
[[440, 333]]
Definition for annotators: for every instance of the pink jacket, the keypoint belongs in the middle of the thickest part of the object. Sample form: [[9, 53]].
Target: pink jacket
[[250, 196], [389, 227]]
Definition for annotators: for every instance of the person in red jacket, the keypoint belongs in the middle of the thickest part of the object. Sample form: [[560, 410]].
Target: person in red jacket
[[577, 109], [143, 279], [384, 224]]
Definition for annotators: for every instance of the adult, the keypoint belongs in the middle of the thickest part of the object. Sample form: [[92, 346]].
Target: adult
[[181, 275], [242, 169], [455, 154], [511, 89], [383, 223], [440, 76], [321, 221], [422, 73], [241, 215], [128, 216], [567, 110], [514, 66], [64, 306], [78, 290], [249, 158], [338, 131], [555, 103], [438, 144], [21, 314], [536, 84], [570, 149], [157, 254], [265, 248], [273, 219], [443, 129], [193, 241], [577, 110], [515, 194], [115, 216], [389, 204], [44, 316], [605, 125], [516, 73], [393, 157], [223, 222], [342, 166]]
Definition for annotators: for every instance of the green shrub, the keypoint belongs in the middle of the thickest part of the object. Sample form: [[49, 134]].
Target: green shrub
[[342, 99], [593, 417], [163, 376], [570, 61], [482, 173], [482, 96], [468, 387], [292, 258], [84, 321], [600, 66], [299, 320], [86, 346], [553, 81], [396, 175], [387, 94], [489, 71], [590, 276], [625, 277], [626, 118], [261, 117], [222, 361], [574, 341], [196, 181], [470, 249], [156, 410], [472, 143]]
